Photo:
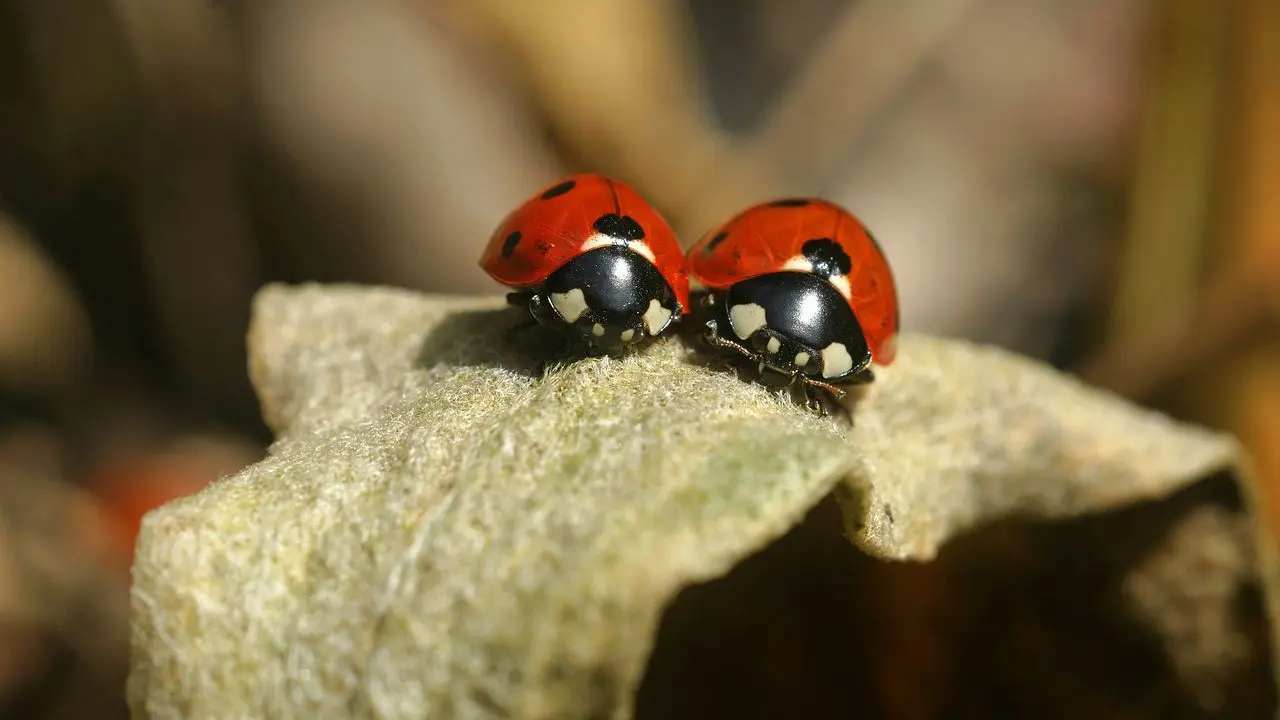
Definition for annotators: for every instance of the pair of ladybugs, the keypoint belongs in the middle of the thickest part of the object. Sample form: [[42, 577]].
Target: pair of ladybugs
[[797, 286]]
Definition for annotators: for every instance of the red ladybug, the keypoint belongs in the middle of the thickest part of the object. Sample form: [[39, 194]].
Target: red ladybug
[[590, 256], [800, 288]]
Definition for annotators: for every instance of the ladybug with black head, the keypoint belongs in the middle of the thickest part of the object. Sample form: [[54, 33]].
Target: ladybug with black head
[[800, 289], [589, 257]]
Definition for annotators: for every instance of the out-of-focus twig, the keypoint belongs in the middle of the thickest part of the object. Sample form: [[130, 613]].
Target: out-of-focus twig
[[1233, 307], [862, 65], [1211, 348], [45, 345], [198, 248], [1159, 271], [1250, 219], [1165, 321], [382, 128], [617, 83], [860, 68]]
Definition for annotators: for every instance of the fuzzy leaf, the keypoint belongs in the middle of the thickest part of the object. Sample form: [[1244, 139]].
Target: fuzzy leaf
[[441, 532]]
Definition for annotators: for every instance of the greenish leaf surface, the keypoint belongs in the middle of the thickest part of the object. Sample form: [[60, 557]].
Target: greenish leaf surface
[[441, 531]]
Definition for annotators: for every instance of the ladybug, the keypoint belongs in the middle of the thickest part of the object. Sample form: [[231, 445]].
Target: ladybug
[[590, 257], [800, 288]]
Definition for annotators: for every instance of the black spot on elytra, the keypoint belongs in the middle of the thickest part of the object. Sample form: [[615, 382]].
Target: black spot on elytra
[[558, 190], [827, 257], [509, 245], [623, 227], [888, 513], [714, 242], [789, 202]]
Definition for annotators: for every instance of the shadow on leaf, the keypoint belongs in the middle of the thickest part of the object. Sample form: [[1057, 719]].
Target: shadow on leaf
[[502, 339], [1015, 619]]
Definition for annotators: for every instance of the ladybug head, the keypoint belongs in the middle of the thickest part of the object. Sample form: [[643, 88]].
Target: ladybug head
[[795, 323], [611, 296]]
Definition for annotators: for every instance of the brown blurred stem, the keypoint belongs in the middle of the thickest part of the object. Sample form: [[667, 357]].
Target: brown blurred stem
[[869, 57], [877, 47], [617, 83], [1236, 305], [638, 113]]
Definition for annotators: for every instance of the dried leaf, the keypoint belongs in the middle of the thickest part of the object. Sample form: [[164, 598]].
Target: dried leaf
[[441, 532]]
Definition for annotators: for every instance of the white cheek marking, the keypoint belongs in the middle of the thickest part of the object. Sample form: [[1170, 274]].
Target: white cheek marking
[[600, 240], [597, 330], [836, 360], [656, 317], [627, 334], [798, 263], [802, 359], [801, 263], [570, 305], [773, 346], [746, 319], [841, 284], [642, 247]]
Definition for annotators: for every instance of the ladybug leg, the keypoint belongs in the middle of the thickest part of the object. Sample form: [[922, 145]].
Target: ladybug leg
[[835, 392], [843, 410], [712, 336], [826, 395], [731, 360], [730, 345], [812, 402]]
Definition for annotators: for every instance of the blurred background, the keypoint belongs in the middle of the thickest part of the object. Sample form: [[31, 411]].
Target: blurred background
[[1082, 181]]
